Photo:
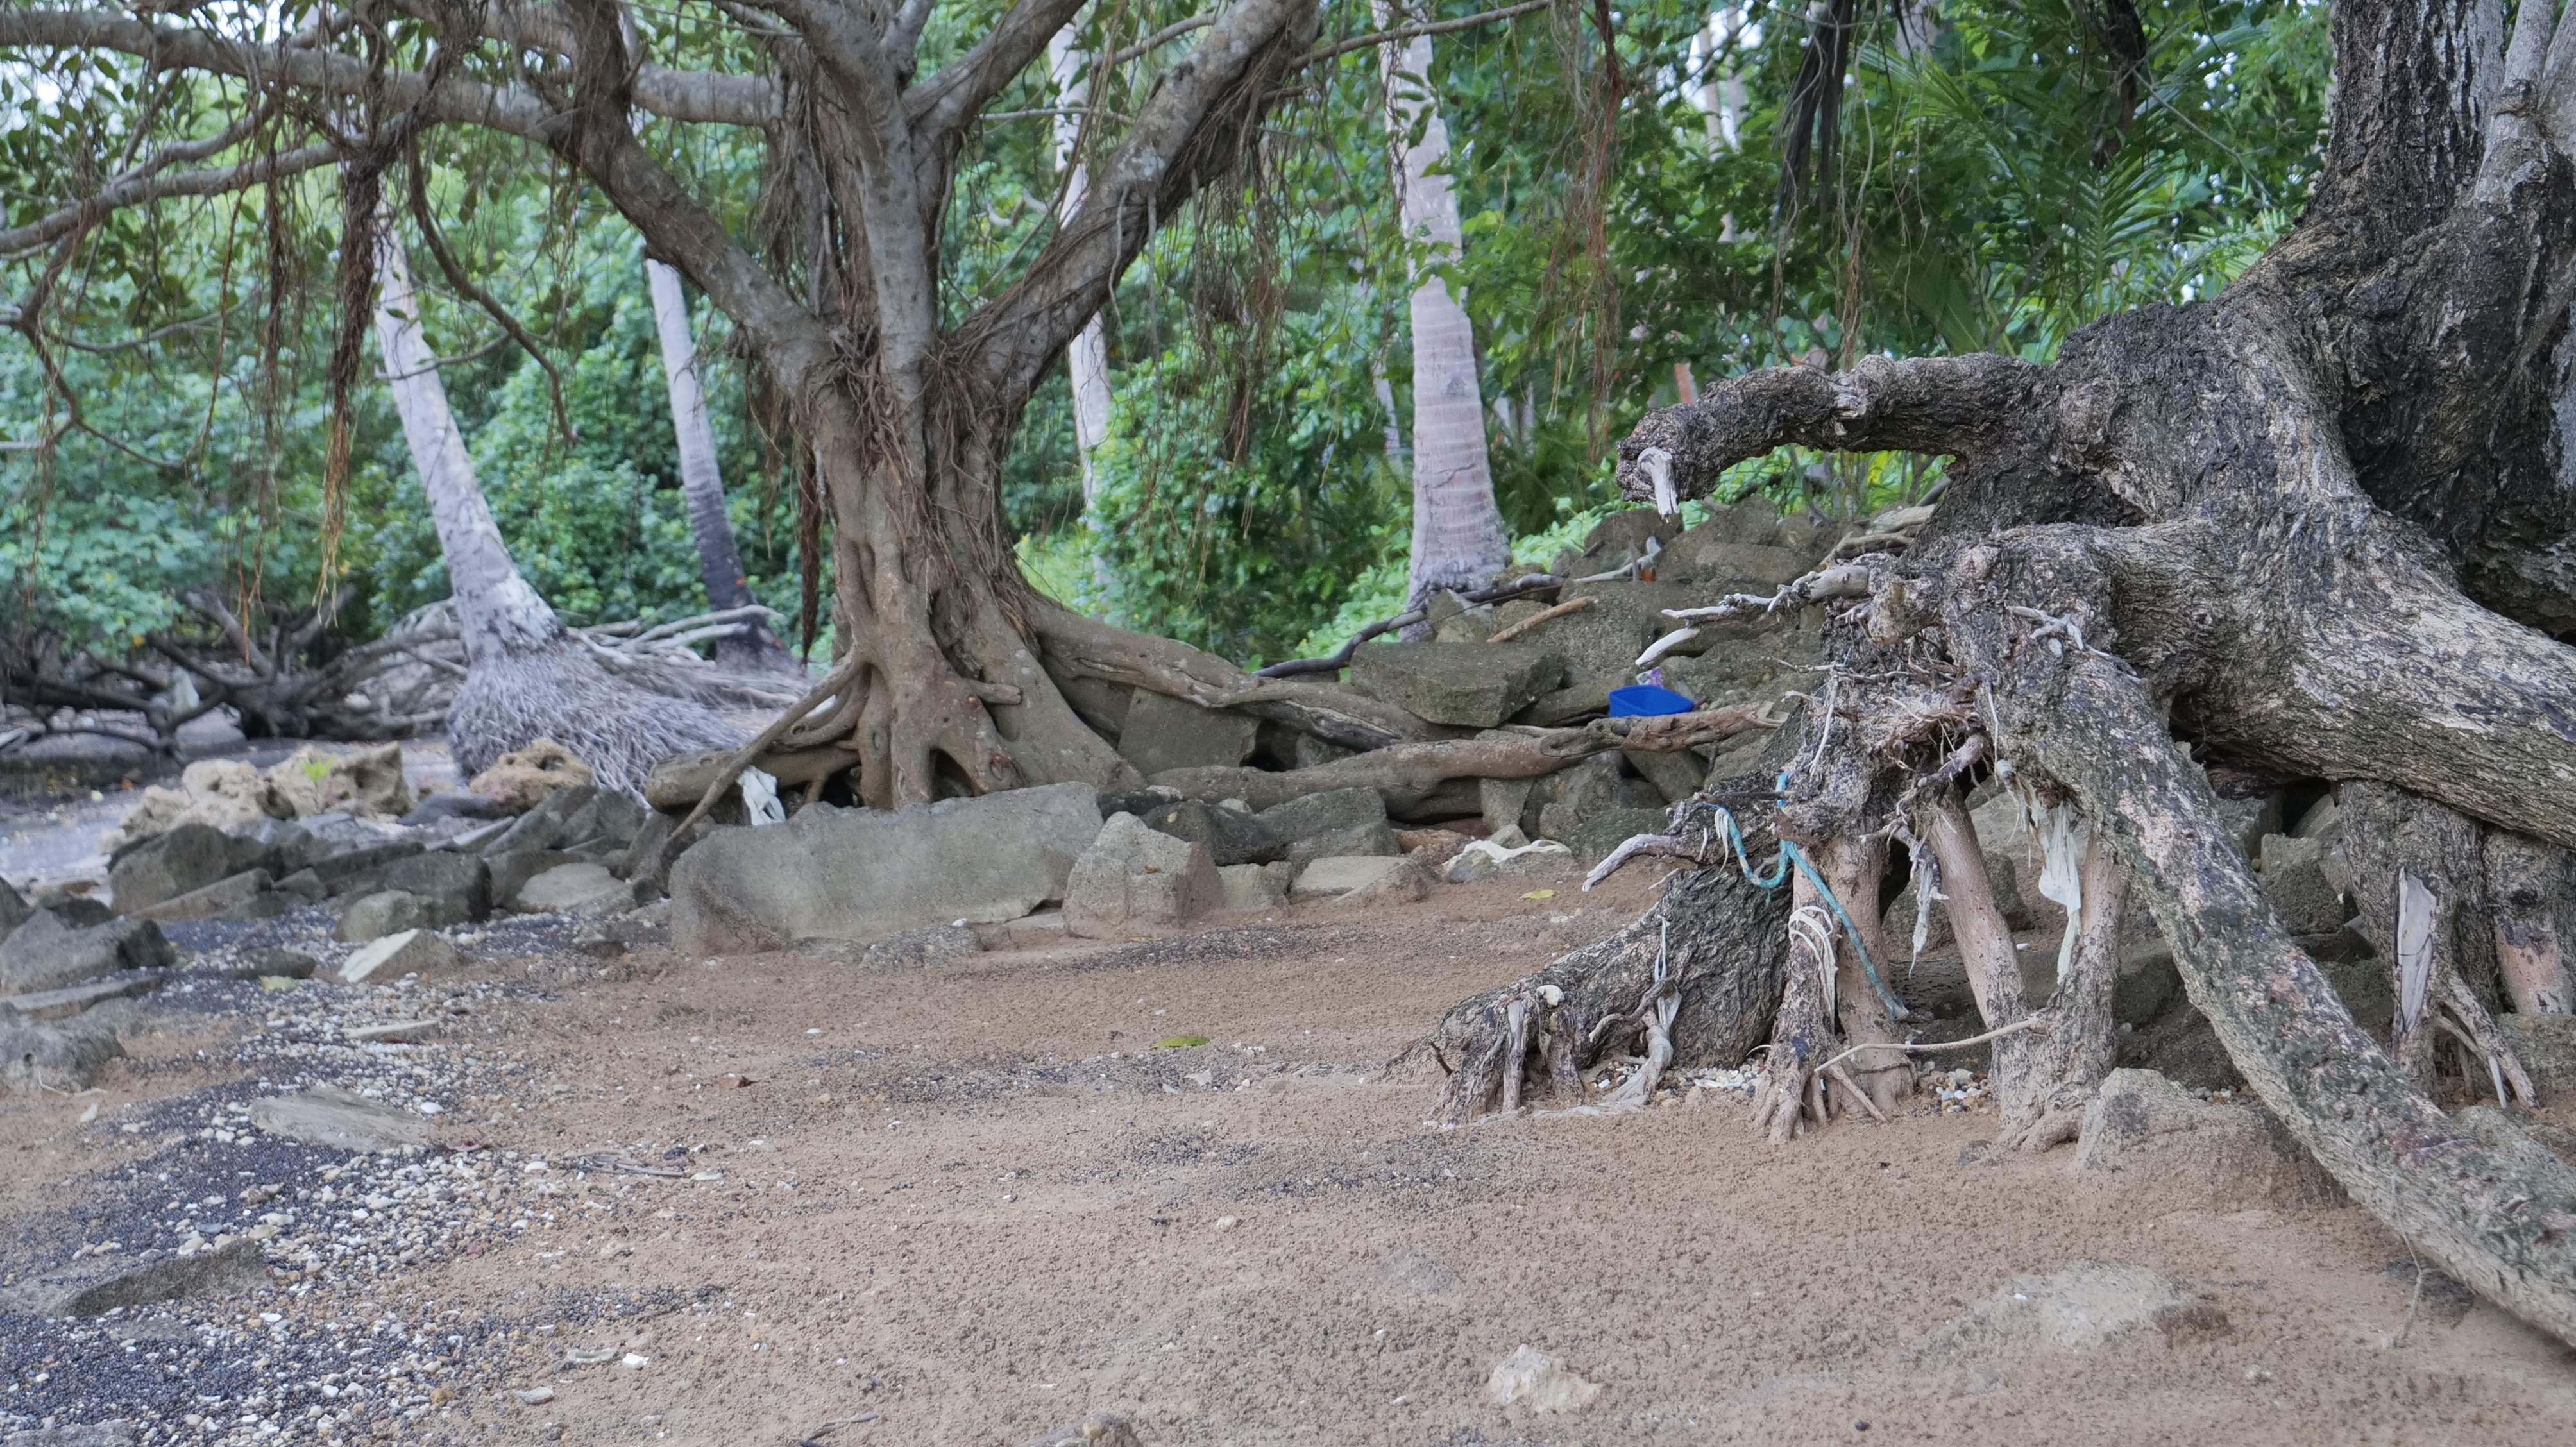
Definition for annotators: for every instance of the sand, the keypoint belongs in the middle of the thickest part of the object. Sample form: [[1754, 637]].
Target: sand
[[969, 1202]]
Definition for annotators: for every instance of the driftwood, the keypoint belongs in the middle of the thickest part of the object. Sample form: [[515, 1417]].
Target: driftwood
[[1407, 773]]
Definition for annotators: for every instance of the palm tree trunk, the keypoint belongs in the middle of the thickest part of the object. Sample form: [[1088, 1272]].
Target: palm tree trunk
[[701, 483], [526, 677], [498, 613], [1087, 360], [1458, 536]]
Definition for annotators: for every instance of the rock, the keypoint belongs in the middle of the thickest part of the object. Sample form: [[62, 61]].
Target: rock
[[310, 781], [1434, 847], [221, 793], [455, 804], [1254, 886], [326, 1115], [397, 955], [104, 1283], [76, 910], [1675, 776], [509, 873], [1043, 930], [14, 909], [1485, 859], [1408, 880], [642, 861], [1564, 801], [1231, 835], [217, 900], [1615, 540], [542, 826], [2149, 984], [2248, 820], [1531, 1378], [1377, 838], [357, 869], [374, 916], [1135, 881], [523, 780], [1742, 567], [1452, 619], [1313, 753], [181, 861], [1336, 875], [2192, 1151], [452, 888], [1558, 707], [97, 1434], [934, 945], [2546, 1046], [46, 953], [567, 887], [2294, 881], [1474, 685], [1501, 802], [2091, 1307], [1102, 1430], [1596, 839], [863, 874], [1162, 732], [274, 961], [1753, 519], [71, 1000], [2323, 820], [611, 819], [65, 1056]]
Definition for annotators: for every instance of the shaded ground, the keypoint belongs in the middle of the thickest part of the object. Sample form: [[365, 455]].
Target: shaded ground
[[974, 1201]]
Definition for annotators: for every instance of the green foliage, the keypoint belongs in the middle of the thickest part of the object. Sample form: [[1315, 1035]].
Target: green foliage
[[1993, 190]]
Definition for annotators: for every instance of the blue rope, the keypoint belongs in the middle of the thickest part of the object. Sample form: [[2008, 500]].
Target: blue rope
[[1791, 856]]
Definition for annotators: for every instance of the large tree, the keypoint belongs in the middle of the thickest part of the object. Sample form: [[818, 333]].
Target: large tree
[[2317, 527], [949, 664]]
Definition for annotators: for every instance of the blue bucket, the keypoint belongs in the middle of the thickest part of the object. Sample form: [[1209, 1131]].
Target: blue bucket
[[1644, 700]]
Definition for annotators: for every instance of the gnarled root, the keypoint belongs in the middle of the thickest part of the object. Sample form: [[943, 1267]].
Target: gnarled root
[[1791, 1098], [2420, 875], [2075, 1052], [561, 692], [1720, 941]]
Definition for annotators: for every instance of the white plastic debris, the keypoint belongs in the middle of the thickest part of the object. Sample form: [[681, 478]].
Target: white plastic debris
[[760, 796]]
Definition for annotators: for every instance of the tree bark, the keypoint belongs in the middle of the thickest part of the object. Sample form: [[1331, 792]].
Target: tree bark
[[526, 677], [701, 483], [2291, 530], [1459, 540], [1086, 361]]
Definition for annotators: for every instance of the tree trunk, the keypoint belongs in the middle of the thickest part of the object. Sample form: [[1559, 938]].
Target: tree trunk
[[1459, 540], [2291, 530], [526, 678], [701, 484], [1086, 362]]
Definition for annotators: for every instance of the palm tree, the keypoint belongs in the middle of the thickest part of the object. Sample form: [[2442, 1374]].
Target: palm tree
[[701, 484], [1459, 540]]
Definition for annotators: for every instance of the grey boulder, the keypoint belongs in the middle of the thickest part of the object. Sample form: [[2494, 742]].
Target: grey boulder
[[326, 1115], [1231, 835], [2091, 1307], [64, 1056], [103, 1284], [864, 874], [2191, 1151], [1472, 685], [1135, 881], [1173, 733], [184, 860], [46, 953]]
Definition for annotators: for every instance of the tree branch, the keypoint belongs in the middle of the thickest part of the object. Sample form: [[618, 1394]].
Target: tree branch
[[1407, 32], [1169, 153], [1945, 405], [142, 187]]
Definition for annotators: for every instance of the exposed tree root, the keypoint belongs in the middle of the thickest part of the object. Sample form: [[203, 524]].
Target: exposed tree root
[[1720, 940], [563, 694], [1791, 1098]]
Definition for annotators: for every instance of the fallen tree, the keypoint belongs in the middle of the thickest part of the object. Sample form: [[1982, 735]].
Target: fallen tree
[[2313, 528]]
